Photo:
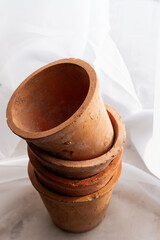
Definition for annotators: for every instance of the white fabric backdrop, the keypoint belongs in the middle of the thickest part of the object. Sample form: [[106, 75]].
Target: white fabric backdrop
[[34, 33]]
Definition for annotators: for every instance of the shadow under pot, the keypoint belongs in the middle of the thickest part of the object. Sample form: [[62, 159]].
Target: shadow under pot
[[59, 109], [76, 214], [86, 168], [70, 187]]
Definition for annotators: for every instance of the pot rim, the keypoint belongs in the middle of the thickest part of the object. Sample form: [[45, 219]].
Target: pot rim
[[93, 84], [76, 183], [119, 129], [57, 197]]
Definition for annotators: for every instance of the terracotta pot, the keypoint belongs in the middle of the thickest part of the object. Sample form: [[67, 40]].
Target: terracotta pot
[[59, 109], [76, 214], [85, 168], [70, 187]]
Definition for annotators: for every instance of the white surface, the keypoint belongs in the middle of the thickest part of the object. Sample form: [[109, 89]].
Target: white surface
[[34, 33], [133, 212]]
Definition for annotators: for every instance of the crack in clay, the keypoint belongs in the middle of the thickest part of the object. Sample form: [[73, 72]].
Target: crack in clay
[[67, 143]]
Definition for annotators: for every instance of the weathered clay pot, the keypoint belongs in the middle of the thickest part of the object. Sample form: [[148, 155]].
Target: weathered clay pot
[[70, 187], [76, 214], [59, 109], [85, 168]]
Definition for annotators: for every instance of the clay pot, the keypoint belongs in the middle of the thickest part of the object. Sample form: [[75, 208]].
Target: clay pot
[[85, 168], [59, 109], [76, 214], [71, 187]]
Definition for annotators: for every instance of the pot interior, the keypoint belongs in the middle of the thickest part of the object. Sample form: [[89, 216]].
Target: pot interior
[[50, 97]]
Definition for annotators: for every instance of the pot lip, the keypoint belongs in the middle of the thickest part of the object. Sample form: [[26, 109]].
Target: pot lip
[[61, 198], [90, 163], [76, 183], [93, 85]]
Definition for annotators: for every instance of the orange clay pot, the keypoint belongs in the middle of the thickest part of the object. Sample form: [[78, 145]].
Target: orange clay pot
[[76, 214], [70, 187], [59, 109], [85, 168]]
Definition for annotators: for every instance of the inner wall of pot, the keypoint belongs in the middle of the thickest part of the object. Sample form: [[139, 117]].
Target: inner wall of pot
[[50, 97]]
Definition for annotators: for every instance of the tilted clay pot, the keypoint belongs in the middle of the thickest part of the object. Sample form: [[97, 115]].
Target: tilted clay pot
[[85, 168], [70, 187], [59, 109], [76, 214]]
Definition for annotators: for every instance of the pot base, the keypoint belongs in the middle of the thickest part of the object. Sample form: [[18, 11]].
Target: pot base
[[76, 214], [79, 218]]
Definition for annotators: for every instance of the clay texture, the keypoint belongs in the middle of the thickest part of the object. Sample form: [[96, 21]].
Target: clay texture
[[85, 168], [76, 214], [59, 109], [71, 187]]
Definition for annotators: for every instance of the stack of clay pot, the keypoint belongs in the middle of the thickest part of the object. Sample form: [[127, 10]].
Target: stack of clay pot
[[75, 141]]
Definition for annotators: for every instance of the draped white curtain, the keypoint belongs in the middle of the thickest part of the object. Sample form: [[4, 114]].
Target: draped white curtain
[[126, 57], [136, 31]]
